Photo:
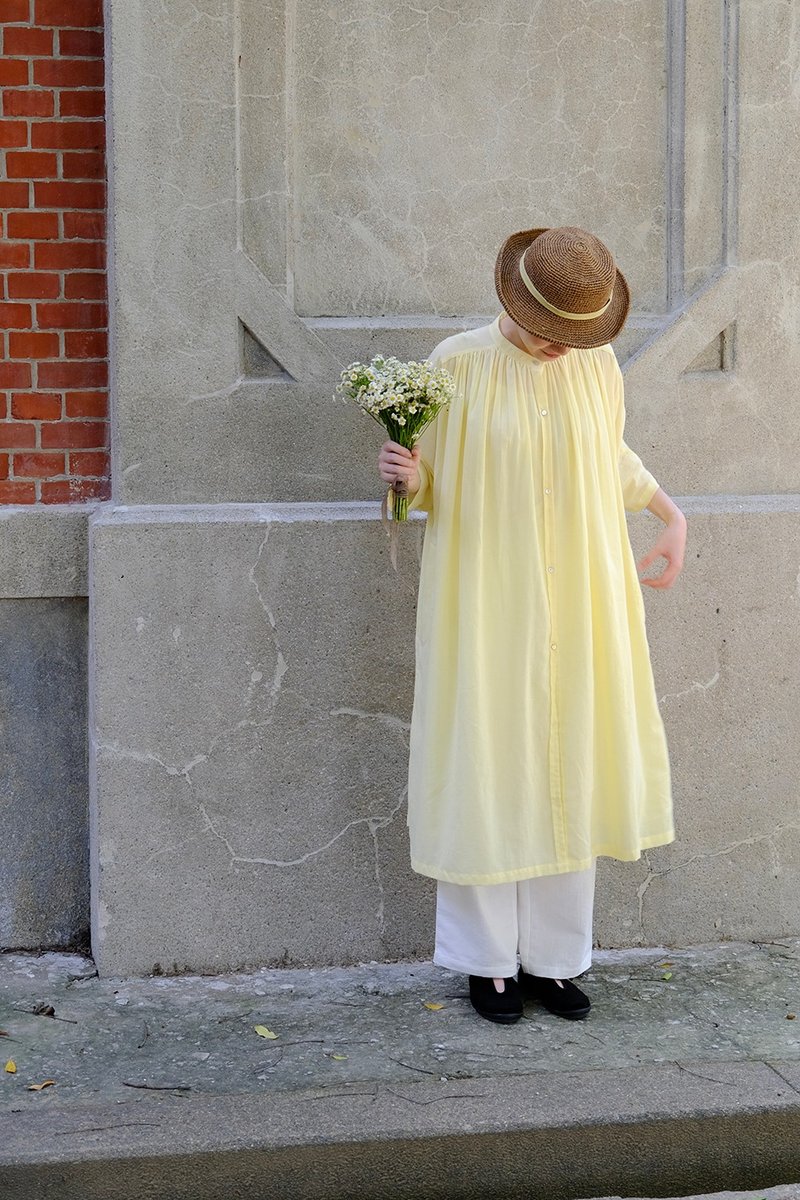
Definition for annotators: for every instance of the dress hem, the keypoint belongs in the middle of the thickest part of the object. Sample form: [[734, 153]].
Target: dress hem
[[571, 864]]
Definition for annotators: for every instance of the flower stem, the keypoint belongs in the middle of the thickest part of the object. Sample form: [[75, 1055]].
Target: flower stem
[[400, 500]]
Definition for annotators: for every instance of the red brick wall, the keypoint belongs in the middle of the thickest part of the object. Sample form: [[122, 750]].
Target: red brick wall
[[53, 341]]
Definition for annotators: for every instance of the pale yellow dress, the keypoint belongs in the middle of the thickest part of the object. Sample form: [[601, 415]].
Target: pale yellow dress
[[536, 738]]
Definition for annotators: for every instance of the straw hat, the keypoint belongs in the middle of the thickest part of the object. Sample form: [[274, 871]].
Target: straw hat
[[562, 284]]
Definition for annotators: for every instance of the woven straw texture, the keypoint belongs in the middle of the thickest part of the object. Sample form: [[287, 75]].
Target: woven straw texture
[[572, 269]]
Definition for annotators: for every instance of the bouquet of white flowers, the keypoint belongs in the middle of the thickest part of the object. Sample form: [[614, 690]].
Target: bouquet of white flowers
[[403, 397]]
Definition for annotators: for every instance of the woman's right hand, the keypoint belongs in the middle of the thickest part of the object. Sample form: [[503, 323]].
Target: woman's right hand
[[398, 462]]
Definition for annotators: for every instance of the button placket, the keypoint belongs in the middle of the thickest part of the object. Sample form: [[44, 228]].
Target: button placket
[[556, 780]]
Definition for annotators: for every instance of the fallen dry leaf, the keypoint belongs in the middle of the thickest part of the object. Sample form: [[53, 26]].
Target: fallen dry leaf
[[4, 1033], [667, 975], [11, 1067], [432, 1005], [262, 1031], [791, 1017], [37, 1087], [339, 1057]]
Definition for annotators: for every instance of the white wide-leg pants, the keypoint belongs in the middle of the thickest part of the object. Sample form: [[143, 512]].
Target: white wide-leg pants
[[544, 924]]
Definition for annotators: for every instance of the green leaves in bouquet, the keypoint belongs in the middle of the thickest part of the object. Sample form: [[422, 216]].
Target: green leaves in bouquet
[[403, 397]]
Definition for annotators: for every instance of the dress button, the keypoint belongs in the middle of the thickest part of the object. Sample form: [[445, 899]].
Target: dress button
[[553, 646], [551, 568], [547, 491], [544, 412]]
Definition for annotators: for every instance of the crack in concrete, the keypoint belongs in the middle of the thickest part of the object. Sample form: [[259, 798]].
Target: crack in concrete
[[695, 686], [374, 823], [751, 841], [782, 1077]]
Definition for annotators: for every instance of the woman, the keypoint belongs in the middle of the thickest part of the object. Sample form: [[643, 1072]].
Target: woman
[[536, 739]]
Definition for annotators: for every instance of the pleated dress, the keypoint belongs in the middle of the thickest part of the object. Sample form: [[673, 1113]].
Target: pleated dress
[[536, 738]]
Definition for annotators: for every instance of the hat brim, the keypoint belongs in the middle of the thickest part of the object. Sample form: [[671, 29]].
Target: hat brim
[[526, 311]]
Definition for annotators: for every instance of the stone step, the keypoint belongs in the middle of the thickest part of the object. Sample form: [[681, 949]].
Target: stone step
[[383, 1081]]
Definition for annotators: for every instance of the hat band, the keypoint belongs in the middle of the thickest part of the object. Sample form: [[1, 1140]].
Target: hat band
[[560, 312]]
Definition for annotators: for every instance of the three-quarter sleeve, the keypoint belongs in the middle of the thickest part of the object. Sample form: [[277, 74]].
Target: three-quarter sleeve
[[638, 484], [422, 499]]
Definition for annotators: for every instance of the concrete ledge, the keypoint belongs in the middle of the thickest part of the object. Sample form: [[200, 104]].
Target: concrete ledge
[[43, 551], [576, 1134], [676, 1083]]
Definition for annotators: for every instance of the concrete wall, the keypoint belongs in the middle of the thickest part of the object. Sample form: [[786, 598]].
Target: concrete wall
[[298, 186], [44, 858]]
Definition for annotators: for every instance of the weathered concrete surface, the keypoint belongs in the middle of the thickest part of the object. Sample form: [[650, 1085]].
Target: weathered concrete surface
[[723, 645], [672, 1085], [43, 551], [251, 705], [413, 113], [388, 227], [253, 672], [44, 852]]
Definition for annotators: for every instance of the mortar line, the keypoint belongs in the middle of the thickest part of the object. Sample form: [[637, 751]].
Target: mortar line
[[237, 119], [290, 165], [369, 510], [730, 129], [676, 151]]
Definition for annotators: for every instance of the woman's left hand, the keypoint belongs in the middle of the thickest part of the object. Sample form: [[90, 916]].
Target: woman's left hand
[[671, 546]]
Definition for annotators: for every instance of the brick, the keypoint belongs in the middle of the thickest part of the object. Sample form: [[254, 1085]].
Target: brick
[[13, 72], [82, 104], [85, 345], [77, 43], [15, 374], [15, 254], [68, 135], [70, 14], [16, 10], [28, 41], [89, 462], [28, 103], [90, 225], [90, 164], [26, 164], [69, 72], [32, 344], [14, 492], [87, 374], [4, 467], [15, 433], [13, 133], [85, 285], [36, 406], [33, 225], [67, 195], [72, 316], [73, 491], [75, 433], [33, 286], [15, 195], [86, 404], [15, 316], [37, 465], [69, 255]]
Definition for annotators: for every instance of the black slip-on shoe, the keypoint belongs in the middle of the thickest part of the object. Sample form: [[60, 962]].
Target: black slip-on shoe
[[504, 1007], [567, 1001]]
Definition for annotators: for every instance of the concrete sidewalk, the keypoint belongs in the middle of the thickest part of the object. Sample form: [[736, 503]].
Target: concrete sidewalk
[[381, 1080]]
